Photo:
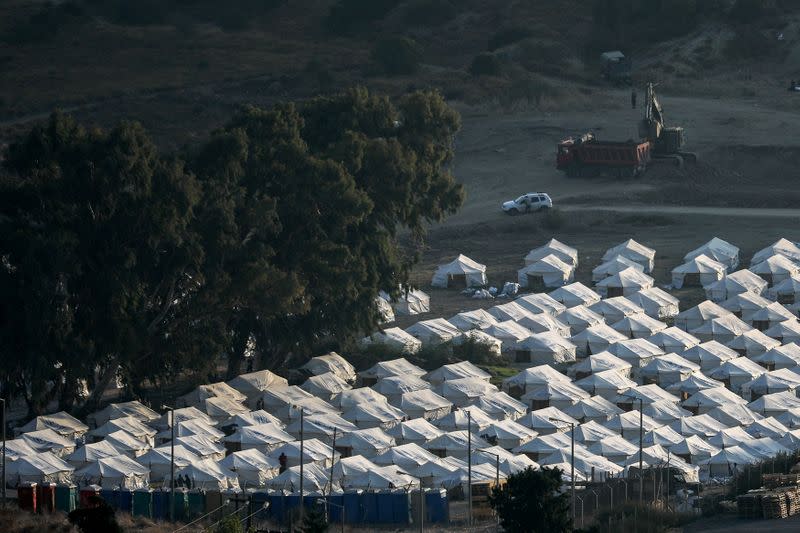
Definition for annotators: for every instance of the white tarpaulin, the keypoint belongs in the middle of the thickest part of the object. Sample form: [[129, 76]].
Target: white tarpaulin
[[461, 272]]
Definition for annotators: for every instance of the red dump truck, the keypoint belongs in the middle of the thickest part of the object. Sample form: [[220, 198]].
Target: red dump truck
[[586, 156]]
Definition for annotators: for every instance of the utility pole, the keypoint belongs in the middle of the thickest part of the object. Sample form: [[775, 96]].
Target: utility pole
[[3, 401], [171, 462], [469, 468], [572, 463], [302, 449]]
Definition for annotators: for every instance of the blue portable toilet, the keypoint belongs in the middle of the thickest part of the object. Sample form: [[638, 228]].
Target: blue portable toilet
[[437, 510], [181, 504], [110, 497], [401, 507], [160, 505], [369, 505], [197, 503], [143, 503], [257, 501], [353, 513], [124, 499], [384, 502], [277, 506], [335, 508]]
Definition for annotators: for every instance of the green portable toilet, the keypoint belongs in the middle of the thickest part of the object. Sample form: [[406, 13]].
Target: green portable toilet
[[143, 503], [197, 503], [66, 498], [181, 503], [213, 503]]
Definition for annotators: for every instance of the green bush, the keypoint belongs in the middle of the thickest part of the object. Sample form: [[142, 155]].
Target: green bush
[[485, 64], [230, 524], [634, 517], [397, 55], [508, 36], [354, 16], [429, 12]]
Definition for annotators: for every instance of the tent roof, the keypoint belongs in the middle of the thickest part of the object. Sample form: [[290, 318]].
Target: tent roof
[[630, 277], [395, 367], [463, 369], [461, 265], [575, 293], [701, 264], [716, 248]]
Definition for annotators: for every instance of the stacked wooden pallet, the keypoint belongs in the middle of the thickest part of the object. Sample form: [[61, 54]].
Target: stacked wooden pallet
[[772, 481], [792, 498], [749, 505], [774, 505]]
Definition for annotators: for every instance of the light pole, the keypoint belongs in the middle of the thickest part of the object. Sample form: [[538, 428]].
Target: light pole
[[326, 503], [572, 463], [171, 463], [3, 401], [641, 441], [496, 474], [302, 450], [469, 468], [421, 500]]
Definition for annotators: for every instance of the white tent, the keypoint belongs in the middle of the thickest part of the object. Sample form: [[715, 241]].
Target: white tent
[[209, 475], [775, 269], [701, 425], [732, 436], [469, 320], [408, 456], [706, 400], [770, 315], [694, 449], [595, 339], [787, 332], [575, 294], [501, 406], [409, 302], [91, 453], [648, 394], [119, 410], [700, 271], [463, 369], [159, 460], [768, 384], [723, 329], [470, 416], [374, 415], [767, 427], [637, 352], [639, 326], [541, 303], [416, 431], [315, 479], [565, 253], [325, 386], [709, 355], [547, 421], [718, 250], [787, 291], [395, 338], [667, 369], [461, 272], [112, 472], [600, 362], [433, 331], [47, 440], [454, 444], [743, 305], [44, 467], [786, 356], [544, 445], [254, 384], [738, 282], [355, 397], [532, 377], [547, 272], [395, 367], [607, 384], [314, 451], [220, 408], [252, 467], [615, 449], [782, 247], [331, 362], [365, 442], [393, 387], [728, 461], [595, 408], [696, 382], [674, 340], [664, 436], [17, 448], [665, 412], [634, 251], [592, 432], [630, 423], [251, 418], [62, 423], [735, 372], [384, 310], [285, 403], [613, 266], [698, 315], [190, 427], [424, 403], [464, 391], [212, 390], [545, 348], [580, 317], [264, 437], [181, 415], [203, 446], [733, 414], [751, 343], [616, 308], [507, 434], [321, 427], [775, 404], [132, 426], [509, 333], [624, 283], [556, 394], [656, 302]]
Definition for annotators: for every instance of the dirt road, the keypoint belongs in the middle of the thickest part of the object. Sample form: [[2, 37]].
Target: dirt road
[[731, 212]]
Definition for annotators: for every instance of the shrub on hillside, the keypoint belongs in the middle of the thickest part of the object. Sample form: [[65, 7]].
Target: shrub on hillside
[[749, 43], [553, 219], [429, 12], [485, 64], [354, 16], [397, 55], [508, 36]]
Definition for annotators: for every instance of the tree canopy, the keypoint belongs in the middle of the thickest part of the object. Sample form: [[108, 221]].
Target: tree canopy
[[274, 235], [531, 502]]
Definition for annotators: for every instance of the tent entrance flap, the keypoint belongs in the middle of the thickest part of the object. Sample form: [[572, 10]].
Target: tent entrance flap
[[786, 299], [522, 356], [692, 280], [614, 291], [536, 283], [457, 281]]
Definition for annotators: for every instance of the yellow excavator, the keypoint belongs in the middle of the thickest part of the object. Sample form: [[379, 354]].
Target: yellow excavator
[[667, 141]]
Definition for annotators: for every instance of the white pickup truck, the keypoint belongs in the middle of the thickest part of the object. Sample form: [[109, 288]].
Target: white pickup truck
[[528, 203]]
